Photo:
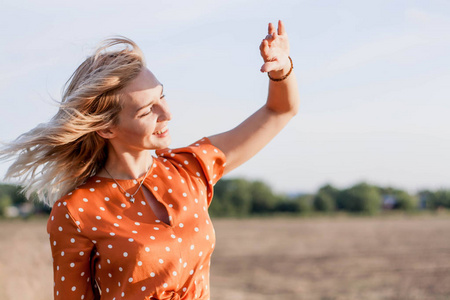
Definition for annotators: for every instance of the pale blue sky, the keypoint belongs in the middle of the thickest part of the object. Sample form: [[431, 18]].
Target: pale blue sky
[[374, 79]]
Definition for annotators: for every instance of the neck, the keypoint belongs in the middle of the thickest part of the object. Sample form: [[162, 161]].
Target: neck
[[126, 165]]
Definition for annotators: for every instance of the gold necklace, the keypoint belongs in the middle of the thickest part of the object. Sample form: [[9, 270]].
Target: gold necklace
[[124, 191]]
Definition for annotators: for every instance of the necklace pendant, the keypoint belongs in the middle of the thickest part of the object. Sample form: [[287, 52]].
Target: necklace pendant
[[132, 199]]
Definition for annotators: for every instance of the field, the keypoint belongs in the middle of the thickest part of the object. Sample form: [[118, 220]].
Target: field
[[401, 258]]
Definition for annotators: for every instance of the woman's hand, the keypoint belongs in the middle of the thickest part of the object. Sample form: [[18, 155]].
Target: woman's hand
[[275, 51]]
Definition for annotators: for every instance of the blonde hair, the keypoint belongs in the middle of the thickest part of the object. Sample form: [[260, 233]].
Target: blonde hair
[[55, 157]]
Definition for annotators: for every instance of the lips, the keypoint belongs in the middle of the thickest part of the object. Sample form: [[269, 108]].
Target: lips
[[160, 132]]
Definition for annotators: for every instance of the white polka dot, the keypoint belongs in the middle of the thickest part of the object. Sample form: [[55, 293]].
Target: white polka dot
[[155, 188], [85, 200], [81, 253], [134, 231], [173, 236], [198, 174], [119, 217], [196, 200], [130, 279], [170, 177], [185, 208], [120, 269], [115, 224], [180, 240], [62, 253], [204, 151], [94, 228], [110, 246], [184, 195], [114, 185], [143, 288], [154, 175], [123, 294], [123, 205], [54, 243], [207, 237], [170, 205], [185, 265], [143, 202], [147, 249], [167, 249], [137, 223], [196, 216], [98, 217], [191, 272], [139, 213], [108, 261], [161, 261], [125, 254], [112, 234], [106, 199], [63, 278], [152, 274], [184, 289], [130, 240], [196, 229], [152, 237], [74, 288], [165, 285], [102, 208], [174, 273], [181, 225], [72, 265], [156, 228], [170, 191], [200, 254], [139, 263], [157, 221], [135, 181], [80, 209], [72, 240], [192, 247]]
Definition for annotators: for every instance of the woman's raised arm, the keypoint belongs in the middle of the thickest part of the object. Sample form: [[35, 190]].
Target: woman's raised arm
[[245, 140]]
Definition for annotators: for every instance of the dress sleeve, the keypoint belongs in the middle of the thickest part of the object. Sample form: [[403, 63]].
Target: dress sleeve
[[71, 252], [202, 159]]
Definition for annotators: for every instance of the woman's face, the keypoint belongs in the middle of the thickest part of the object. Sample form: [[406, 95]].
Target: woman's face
[[144, 116]]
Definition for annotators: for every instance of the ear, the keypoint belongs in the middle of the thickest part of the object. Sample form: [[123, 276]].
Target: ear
[[106, 133]]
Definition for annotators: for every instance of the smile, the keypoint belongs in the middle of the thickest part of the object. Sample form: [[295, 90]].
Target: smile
[[162, 131]]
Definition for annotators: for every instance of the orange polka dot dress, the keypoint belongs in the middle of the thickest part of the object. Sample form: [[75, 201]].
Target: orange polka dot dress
[[106, 247]]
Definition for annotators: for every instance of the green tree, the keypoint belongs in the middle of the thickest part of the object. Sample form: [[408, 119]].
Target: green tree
[[324, 202], [361, 197], [232, 197], [438, 199], [262, 198]]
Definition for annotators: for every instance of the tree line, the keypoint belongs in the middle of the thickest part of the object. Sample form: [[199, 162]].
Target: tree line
[[240, 197]]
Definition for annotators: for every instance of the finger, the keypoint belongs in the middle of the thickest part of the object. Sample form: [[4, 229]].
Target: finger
[[270, 66], [265, 49], [271, 28], [281, 28]]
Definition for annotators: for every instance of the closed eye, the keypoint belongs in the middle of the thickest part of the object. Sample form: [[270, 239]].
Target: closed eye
[[150, 108]]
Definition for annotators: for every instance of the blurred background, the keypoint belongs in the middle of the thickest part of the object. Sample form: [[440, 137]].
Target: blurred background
[[372, 137]]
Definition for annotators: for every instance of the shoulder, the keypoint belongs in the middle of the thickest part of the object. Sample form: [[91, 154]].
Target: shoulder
[[80, 203]]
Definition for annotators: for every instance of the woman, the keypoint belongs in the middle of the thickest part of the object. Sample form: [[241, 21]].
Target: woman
[[125, 224]]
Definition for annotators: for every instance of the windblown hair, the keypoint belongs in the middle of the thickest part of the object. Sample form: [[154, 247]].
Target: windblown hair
[[55, 157]]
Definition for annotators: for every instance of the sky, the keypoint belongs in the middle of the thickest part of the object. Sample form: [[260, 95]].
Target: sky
[[374, 79]]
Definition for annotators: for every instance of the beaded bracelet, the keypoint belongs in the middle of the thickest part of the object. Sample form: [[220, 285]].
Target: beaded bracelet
[[285, 76]]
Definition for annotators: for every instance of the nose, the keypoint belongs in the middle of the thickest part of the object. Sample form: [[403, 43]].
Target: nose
[[164, 113]]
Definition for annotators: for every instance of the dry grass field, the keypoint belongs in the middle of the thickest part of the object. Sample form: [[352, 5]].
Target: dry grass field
[[404, 258]]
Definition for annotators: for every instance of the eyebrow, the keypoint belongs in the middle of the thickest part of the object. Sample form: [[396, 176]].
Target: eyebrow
[[146, 105]]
